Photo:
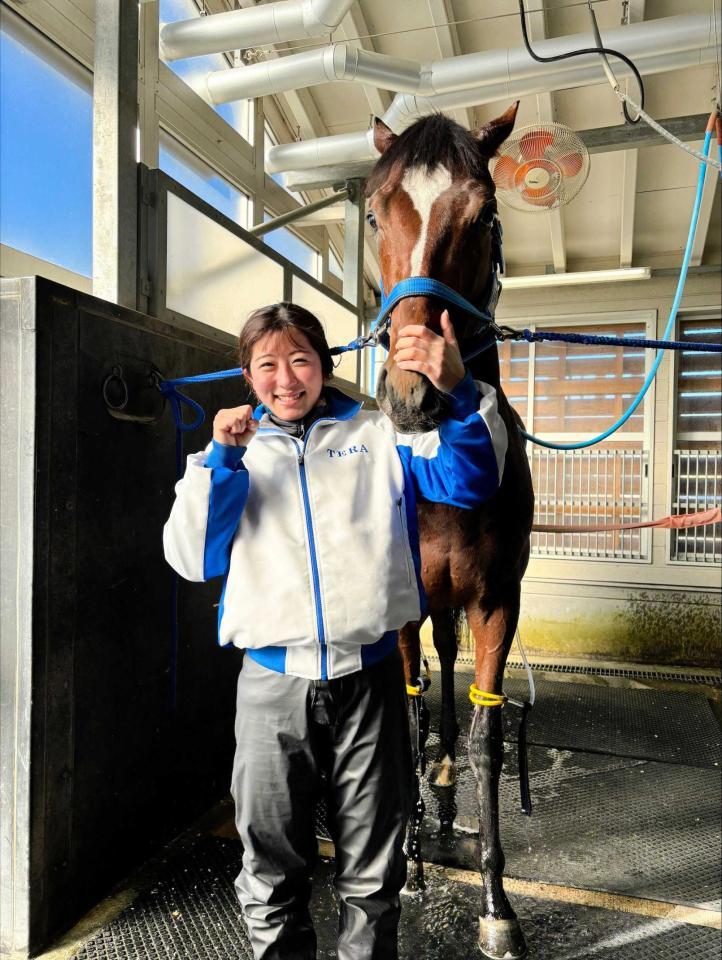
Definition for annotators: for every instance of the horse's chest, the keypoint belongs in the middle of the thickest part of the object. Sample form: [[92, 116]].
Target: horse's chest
[[451, 550]]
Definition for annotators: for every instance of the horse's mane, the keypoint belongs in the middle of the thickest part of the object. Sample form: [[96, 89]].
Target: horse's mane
[[428, 142]]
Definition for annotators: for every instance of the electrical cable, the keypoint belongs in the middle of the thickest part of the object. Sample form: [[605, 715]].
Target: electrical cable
[[641, 113], [601, 50], [624, 98]]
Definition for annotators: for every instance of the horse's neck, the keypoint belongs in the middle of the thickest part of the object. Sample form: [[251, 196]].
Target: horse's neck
[[485, 366]]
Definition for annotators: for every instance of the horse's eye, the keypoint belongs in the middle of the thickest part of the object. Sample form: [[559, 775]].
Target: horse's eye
[[371, 219]]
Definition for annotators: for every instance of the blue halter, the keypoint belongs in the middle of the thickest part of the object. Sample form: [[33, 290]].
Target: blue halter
[[428, 287]]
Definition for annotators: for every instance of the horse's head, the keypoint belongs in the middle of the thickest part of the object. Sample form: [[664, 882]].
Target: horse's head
[[431, 203]]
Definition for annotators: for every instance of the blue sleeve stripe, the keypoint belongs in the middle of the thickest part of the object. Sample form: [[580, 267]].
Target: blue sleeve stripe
[[229, 491], [463, 472], [225, 455]]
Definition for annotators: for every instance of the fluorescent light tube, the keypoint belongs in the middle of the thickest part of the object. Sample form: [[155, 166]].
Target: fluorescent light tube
[[581, 276]]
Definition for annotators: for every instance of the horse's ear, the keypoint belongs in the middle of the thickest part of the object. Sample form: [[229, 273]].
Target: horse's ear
[[383, 136], [492, 134]]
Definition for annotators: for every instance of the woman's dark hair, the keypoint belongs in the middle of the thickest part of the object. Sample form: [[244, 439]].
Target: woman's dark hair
[[284, 318]]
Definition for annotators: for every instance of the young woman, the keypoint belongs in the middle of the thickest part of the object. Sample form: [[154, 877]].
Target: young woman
[[306, 507]]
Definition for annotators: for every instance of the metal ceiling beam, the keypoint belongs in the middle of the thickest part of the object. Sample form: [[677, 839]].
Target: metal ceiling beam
[[447, 41], [635, 14], [545, 109], [711, 182], [632, 137]]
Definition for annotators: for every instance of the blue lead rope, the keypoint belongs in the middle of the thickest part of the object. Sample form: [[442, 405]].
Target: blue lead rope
[[533, 336], [177, 399]]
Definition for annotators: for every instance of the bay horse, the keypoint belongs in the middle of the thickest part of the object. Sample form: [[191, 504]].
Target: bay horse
[[431, 202]]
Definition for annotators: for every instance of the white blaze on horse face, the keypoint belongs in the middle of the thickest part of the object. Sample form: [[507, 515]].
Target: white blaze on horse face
[[424, 189]]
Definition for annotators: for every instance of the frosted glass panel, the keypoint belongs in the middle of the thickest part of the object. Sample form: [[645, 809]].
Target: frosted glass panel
[[340, 324], [213, 275]]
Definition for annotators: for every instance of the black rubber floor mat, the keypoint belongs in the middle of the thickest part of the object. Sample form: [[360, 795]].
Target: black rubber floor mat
[[664, 725], [635, 827], [192, 914]]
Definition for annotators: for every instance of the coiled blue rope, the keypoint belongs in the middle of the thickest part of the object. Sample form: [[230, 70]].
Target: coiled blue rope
[[668, 329]]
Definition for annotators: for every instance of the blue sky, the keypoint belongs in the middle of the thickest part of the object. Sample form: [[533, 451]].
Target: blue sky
[[46, 163], [45, 159]]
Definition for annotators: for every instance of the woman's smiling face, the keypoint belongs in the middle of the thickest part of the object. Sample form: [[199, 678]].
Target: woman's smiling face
[[286, 375]]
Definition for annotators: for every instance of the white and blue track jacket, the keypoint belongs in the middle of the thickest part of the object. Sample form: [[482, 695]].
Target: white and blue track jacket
[[317, 539]]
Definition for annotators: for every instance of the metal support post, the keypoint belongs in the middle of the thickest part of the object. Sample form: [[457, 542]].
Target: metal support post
[[353, 257], [262, 228], [259, 157], [148, 84], [115, 119]]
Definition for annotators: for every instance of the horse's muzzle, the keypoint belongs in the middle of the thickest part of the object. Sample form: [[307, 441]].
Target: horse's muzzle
[[418, 409]]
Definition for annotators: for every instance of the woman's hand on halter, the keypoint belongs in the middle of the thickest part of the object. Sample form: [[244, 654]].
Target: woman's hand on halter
[[235, 427], [420, 349]]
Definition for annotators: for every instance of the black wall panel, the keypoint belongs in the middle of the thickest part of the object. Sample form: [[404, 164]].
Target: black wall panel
[[122, 757]]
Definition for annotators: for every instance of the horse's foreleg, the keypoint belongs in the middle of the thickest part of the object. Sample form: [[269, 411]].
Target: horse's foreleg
[[443, 772], [500, 936], [410, 646]]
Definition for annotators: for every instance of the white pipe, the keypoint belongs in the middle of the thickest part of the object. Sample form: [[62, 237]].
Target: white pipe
[[343, 62], [337, 62], [240, 29], [405, 108], [655, 46]]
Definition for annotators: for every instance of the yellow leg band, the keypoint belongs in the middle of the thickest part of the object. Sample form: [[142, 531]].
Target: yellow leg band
[[414, 691], [481, 698]]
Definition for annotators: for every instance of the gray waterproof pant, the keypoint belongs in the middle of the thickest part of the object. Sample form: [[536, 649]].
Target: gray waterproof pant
[[288, 731]]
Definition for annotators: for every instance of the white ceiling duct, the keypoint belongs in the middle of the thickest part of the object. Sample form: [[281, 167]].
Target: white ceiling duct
[[240, 29], [655, 46], [342, 62]]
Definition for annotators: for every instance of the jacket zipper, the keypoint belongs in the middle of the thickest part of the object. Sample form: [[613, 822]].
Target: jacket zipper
[[407, 546], [300, 459]]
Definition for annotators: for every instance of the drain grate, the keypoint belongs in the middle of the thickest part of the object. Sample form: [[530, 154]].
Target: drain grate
[[629, 673]]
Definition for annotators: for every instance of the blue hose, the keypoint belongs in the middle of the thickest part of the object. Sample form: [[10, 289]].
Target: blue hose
[[667, 333]]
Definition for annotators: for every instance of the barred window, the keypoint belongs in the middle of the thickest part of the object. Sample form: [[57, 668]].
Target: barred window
[[697, 462], [567, 392]]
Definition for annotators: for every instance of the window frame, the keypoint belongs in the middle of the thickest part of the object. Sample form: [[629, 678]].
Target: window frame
[[596, 322], [706, 312], [648, 318]]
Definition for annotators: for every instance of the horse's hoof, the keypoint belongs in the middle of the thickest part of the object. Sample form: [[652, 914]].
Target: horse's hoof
[[443, 773], [501, 939]]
